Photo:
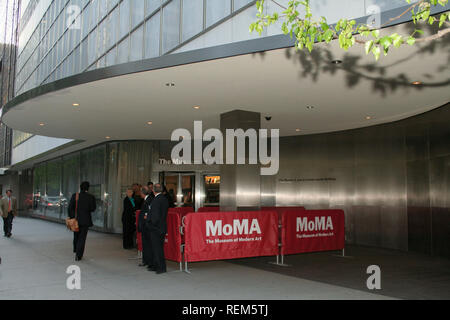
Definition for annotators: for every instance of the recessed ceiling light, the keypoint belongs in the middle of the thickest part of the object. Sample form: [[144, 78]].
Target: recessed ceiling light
[[336, 61], [76, 104], [196, 107], [298, 130], [417, 83], [150, 123], [42, 124], [368, 118], [108, 137], [310, 107], [170, 84]]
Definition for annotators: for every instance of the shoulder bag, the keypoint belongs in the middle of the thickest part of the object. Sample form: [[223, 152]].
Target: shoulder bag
[[72, 224]]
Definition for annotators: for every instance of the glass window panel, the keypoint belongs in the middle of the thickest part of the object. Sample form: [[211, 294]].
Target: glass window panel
[[103, 7], [152, 32], [84, 55], [70, 180], [111, 3], [86, 14], [93, 18], [137, 40], [240, 3], [192, 18], [216, 10], [76, 60], [112, 28], [39, 180], [92, 170], [171, 26], [124, 23], [52, 203], [92, 47], [152, 5], [101, 38], [111, 57], [137, 12], [123, 51]]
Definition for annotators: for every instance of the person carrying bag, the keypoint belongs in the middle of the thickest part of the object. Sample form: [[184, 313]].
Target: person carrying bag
[[72, 224], [80, 208]]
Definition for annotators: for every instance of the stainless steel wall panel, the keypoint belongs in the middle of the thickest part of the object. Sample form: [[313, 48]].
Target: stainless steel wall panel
[[387, 178], [418, 206], [240, 185]]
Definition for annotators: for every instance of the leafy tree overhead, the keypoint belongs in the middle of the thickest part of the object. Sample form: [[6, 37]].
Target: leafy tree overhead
[[298, 21]]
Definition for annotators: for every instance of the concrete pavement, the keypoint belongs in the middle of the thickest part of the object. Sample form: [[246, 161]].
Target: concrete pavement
[[35, 259]]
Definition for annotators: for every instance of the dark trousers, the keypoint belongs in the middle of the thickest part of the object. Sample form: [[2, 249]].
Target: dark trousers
[[147, 254], [128, 235], [79, 241], [159, 261], [7, 223]]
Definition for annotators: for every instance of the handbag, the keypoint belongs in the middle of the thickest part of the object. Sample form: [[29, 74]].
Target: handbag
[[72, 224]]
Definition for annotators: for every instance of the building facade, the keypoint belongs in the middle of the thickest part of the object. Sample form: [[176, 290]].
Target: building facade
[[359, 144]]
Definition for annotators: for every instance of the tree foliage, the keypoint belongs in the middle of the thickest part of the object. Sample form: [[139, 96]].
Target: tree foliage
[[299, 22]]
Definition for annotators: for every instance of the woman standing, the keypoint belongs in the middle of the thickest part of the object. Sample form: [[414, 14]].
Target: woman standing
[[129, 219]]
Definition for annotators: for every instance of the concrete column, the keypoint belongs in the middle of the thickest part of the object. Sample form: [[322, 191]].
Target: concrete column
[[240, 185]]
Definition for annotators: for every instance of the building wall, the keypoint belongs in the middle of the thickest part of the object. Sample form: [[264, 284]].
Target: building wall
[[392, 181], [8, 49], [61, 38]]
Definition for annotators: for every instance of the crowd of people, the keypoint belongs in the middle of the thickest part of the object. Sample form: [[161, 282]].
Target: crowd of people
[[154, 202]]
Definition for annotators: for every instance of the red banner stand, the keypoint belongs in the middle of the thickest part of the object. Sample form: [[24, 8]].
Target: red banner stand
[[230, 235], [172, 244], [305, 231]]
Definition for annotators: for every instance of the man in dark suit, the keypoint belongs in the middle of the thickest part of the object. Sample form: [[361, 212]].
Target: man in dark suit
[[157, 225], [147, 256], [150, 189], [84, 206]]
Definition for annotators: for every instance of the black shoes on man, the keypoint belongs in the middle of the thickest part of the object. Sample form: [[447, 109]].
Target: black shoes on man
[[152, 268]]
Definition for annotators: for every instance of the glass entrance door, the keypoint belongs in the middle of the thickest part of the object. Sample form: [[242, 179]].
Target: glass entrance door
[[181, 187]]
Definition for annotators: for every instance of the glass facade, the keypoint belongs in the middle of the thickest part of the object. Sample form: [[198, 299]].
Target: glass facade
[[74, 36], [61, 38], [55, 181]]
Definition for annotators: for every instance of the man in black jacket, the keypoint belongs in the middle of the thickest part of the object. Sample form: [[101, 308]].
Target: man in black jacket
[[147, 256], [84, 206], [157, 225]]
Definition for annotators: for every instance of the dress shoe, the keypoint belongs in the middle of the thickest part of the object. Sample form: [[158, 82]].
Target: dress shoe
[[151, 269], [78, 258], [142, 265], [9, 235]]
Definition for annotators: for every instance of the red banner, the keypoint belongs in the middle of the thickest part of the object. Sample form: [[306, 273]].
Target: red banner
[[230, 235], [138, 234], [312, 231], [172, 242]]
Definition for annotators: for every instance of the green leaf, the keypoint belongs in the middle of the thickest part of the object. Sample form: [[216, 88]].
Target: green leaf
[[376, 52], [411, 41], [369, 45]]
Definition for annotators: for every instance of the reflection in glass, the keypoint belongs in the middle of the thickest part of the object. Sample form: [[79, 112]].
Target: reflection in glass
[[51, 201], [216, 10], [171, 26], [152, 28], [212, 190], [192, 18]]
